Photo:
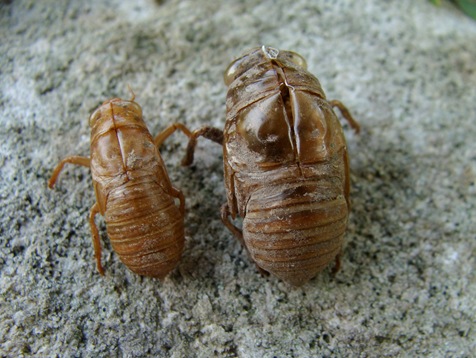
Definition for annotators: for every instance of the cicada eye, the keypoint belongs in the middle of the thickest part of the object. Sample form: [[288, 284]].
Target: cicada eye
[[295, 58], [93, 118], [230, 73], [98, 113], [134, 107]]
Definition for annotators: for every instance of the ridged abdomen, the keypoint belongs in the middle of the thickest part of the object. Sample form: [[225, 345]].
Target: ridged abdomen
[[294, 230], [145, 227]]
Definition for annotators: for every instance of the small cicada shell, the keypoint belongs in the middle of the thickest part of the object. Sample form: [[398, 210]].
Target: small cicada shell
[[133, 190], [285, 163]]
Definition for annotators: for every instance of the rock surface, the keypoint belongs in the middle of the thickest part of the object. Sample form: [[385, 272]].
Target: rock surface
[[407, 71]]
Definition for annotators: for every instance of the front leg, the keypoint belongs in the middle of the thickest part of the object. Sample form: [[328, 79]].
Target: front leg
[[167, 132], [211, 133], [74, 159]]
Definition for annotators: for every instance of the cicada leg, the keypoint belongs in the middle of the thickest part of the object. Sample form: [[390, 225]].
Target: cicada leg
[[211, 133], [74, 159], [346, 114]]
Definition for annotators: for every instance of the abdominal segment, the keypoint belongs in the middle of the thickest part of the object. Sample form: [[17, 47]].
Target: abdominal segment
[[145, 227], [294, 230]]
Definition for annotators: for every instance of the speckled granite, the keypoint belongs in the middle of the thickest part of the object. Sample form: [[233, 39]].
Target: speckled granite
[[405, 68]]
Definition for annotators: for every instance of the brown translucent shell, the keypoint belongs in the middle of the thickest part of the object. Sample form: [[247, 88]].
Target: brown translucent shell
[[286, 166]]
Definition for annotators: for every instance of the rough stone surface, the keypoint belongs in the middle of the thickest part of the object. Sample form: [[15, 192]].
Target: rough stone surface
[[405, 68]]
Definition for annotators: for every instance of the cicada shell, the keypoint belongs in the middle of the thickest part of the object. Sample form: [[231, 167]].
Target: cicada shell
[[285, 163], [133, 190]]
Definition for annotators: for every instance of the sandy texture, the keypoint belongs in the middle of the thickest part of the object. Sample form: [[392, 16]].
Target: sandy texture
[[405, 68]]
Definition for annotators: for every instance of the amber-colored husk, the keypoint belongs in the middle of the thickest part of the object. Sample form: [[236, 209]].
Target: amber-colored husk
[[286, 165], [133, 191]]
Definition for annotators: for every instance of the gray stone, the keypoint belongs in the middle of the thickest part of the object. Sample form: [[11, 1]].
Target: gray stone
[[407, 71]]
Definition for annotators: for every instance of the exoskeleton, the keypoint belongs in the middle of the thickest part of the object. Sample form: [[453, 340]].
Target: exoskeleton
[[133, 190], [285, 164]]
